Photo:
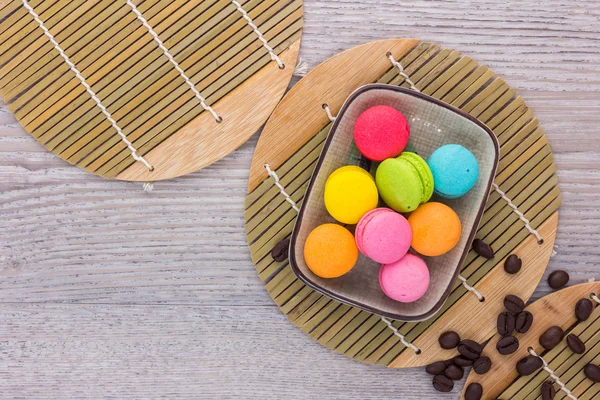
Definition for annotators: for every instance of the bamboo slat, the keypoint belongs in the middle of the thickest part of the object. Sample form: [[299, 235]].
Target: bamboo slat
[[526, 174], [152, 104]]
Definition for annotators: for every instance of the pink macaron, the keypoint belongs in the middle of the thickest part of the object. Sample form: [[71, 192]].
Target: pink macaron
[[381, 132], [383, 235], [405, 280]]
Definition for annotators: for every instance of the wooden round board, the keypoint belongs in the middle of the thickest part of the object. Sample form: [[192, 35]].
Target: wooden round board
[[127, 69], [503, 381], [291, 143]]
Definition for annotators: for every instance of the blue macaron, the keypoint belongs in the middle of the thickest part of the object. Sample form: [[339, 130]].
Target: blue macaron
[[455, 171]]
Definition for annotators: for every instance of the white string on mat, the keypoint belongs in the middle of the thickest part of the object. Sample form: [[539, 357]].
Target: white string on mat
[[595, 298], [401, 72], [148, 187], [328, 111], [519, 213], [275, 177], [172, 60], [87, 87], [401, 336], [471, 288], [245, 15], [301, 67], [553, 375]]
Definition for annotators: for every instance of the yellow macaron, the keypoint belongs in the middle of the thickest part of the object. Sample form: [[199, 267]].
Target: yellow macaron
[[350, 193]]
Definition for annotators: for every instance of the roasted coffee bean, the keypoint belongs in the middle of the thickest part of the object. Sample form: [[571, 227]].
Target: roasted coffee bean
[[583, 309], [462, 361], [558, 279], [507, 345], [436, 368], [552, 337], [523, 321], [548, 391], [513, 264], [474, 391], [505, 323], [482, 365], [514, 304], [528, 365], [483, 249], [454, 372], [442, 383], [449, 340], [280, 251], [592, 371], [470, 349], [575, 344]]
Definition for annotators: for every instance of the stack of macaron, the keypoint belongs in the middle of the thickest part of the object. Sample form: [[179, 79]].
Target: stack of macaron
[[405, 182]]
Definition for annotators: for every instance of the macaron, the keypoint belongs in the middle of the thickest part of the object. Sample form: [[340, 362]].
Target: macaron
[[405, 280], [404, 182], [330, 251], [455, 171], [383, 235], [350, 192], [381, 132], [436, 229]]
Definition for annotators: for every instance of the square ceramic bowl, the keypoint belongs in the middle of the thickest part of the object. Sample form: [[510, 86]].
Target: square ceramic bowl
[[433, 124]]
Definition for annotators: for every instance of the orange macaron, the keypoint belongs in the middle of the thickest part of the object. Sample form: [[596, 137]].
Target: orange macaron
[[330, 251], [436, 229]]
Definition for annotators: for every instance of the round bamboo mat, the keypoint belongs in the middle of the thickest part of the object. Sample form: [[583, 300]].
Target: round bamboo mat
[[291, 143], [503, 381], [151, 102]]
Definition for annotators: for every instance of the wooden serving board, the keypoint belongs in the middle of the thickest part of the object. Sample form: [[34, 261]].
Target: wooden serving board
[[503, 381], [291, 143], [135, 81]]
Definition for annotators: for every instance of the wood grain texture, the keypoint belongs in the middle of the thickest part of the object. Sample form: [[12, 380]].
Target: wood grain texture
[[106, 291]]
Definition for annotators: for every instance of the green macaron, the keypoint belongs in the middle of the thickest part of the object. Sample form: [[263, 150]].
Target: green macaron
[[404, 182]]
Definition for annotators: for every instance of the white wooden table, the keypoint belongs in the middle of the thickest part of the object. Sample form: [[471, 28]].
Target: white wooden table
[[107, 292]]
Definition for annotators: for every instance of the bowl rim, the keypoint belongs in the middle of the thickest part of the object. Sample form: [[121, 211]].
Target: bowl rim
[[335, 296]]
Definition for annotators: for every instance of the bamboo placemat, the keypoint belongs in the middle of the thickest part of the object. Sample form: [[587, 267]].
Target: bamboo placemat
[[211, 41], [291, 144], [503, 381]]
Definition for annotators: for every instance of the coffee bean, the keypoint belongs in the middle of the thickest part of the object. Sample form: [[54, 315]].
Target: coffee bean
[[470, 349], [552, 337], [483, 249], [449, 340], [474, 391], [462, 361], [454, 372], [592, 371], [548, 391], [482, 365], [436, 368], [505, 323], [523, 321], [575, 344], [507, 345], [442, 383], [558, 279], [280, 251], [583, 309], [528, 365], [513, 263], [514, 304]]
